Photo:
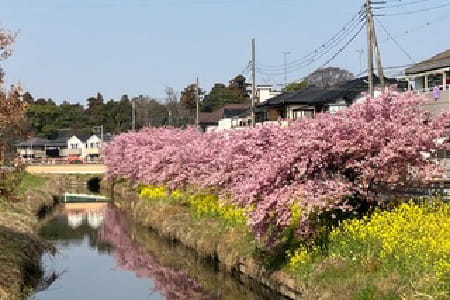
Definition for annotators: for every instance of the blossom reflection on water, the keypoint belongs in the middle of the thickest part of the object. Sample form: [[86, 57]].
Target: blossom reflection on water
[[102, 254], [130, 255]]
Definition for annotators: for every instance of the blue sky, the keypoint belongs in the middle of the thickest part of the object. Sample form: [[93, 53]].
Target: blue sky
[[71, 49]]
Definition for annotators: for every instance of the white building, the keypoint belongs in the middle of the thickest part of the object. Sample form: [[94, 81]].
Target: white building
[[263, 92], [84, 148]]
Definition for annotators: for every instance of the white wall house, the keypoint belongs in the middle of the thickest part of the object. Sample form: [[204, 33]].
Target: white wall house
[[75, 147], [263, 92], [234, 122], [93, 145], [90, 148]]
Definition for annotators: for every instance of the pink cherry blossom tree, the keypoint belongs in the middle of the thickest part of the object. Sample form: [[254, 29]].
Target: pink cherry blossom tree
[[320, 165]]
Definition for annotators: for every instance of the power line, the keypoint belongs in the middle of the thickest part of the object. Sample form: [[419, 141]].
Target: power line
[[385, 68], [395, 41], [316, 54], [343, 47], [335, 54], [312, 59], [416, 28], [414, 11], [405, 3], [331, 42]]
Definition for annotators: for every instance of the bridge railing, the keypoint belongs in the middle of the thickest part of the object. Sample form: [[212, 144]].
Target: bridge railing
[[60, 161]]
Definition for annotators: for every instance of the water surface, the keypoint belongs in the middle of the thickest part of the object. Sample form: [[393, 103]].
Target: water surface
[[103, 255]]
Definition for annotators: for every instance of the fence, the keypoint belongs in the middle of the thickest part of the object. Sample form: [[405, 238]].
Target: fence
[[60, 161]]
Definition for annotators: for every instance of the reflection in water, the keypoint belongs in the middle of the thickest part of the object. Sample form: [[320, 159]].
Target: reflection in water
[[77, 213], [99, 246], [172, 283]]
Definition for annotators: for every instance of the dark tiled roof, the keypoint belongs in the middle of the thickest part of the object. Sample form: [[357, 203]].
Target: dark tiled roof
[[438, 61], [37, 142], [316, 96], [234, 112], [83, 138]]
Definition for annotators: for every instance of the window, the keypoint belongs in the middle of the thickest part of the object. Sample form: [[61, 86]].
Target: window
[[302, 113], [335, 108], [443, 154], [73, 146], [92, 145]]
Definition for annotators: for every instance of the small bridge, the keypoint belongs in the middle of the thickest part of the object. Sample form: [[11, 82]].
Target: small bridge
[[67, 169]]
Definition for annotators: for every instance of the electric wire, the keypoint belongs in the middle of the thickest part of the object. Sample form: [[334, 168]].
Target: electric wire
[[335, 39], [394, 40], [311, 59], [416, 28], [414, 11], [336, 54], [404, 3], [314, 55]]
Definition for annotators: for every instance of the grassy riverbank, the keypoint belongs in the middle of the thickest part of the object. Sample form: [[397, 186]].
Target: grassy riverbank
[[20, 247], [397, 254]]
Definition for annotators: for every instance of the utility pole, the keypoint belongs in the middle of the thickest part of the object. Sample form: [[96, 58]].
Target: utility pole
[[133, 115], [372, 44], [285, 53], [377, 56], [197, 100], [101, 134], [100, 127], [253, 81], [369, 48]]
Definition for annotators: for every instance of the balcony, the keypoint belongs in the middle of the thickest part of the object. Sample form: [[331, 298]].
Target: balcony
[[92, 151], [71, 152]]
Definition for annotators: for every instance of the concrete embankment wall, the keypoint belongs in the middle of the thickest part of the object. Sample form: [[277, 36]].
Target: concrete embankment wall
[[170, 224]]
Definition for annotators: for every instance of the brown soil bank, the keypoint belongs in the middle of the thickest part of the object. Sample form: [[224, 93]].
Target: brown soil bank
[[205, 236], [20, 247]]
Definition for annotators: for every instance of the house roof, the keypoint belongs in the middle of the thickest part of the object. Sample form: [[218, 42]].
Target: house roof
[[438, 61], [226, 111], [36, 142], [318, 96], [59, 142]]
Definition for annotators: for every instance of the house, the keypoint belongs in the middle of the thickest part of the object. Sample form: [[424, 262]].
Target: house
[[33, 148], [307, 102], [263, 92], [82, 147], [424, 75], [224, 118]]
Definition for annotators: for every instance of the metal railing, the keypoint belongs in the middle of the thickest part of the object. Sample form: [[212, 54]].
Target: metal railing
[[430, 89]]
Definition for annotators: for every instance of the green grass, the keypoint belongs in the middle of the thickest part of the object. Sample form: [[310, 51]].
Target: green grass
[[20, 247], [30, 181]]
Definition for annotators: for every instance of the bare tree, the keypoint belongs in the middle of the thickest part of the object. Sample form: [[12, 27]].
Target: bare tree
[[328, 77], [178, 115], [149, 112]]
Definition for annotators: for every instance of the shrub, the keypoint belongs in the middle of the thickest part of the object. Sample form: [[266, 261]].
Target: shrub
[[201, 204], [409, 239]]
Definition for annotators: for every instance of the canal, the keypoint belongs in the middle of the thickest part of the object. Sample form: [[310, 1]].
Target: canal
[[102, 254]]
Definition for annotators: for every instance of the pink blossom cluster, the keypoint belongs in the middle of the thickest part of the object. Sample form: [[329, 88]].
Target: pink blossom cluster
[[314, 163]]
